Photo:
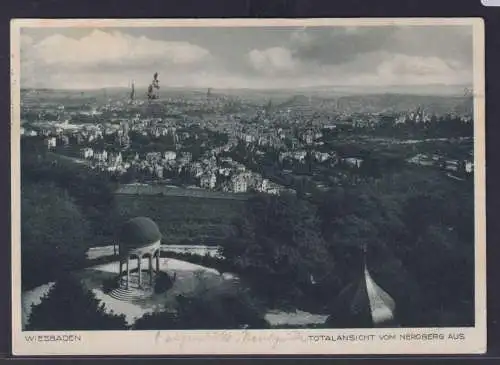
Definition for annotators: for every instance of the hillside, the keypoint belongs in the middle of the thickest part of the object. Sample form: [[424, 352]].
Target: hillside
[[183, 219]]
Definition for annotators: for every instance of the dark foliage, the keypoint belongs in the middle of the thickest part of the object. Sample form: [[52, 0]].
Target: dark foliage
[[419, 230], [91, 191], [418, 227], [163, 282], [279, 247], [69, 306], [158, 321], [229, 310], [54, 234], [62, 210], [208, 309]]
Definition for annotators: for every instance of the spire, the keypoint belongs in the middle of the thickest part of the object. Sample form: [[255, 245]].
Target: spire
[[363, 303], [132, 92], [381, 305], [363, 253]]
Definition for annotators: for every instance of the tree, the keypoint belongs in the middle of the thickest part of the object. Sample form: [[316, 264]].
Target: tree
[[278, 247], [446, 273], [162, 320], [419, 230], [92, 192], [225, 306], [221, 310], [54, 234], [360, 212], [69, 306]]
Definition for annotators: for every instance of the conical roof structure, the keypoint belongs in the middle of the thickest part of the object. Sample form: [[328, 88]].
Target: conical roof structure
[[382, 306], [363, 304]]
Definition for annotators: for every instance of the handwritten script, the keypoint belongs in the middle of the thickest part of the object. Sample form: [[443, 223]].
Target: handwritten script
[[244, 337]]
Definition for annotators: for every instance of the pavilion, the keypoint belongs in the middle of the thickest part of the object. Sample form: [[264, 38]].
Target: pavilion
[[139, 259]]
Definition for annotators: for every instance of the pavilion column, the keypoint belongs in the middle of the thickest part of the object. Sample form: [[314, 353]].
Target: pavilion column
[[150, 270], [158, 261], [128, 272], [139, 270]]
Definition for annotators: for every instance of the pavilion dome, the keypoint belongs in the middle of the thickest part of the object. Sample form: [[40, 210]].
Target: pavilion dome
[[137, 233]]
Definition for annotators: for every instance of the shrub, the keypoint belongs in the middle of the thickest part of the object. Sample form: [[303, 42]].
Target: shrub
[[69, 306], [157, 321], [163, 282]]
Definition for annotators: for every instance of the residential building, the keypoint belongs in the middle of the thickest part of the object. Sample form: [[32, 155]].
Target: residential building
[[170, 155], [50, 142], [208, 181], [239, 184], [87, 152]]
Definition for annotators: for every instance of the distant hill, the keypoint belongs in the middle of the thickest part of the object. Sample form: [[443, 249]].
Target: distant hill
[[439, 98], [431, 89]]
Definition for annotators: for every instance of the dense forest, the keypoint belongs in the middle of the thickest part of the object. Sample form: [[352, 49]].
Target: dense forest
[[419, 231]]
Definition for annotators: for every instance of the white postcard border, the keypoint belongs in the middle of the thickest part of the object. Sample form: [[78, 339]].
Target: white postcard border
[[241, 342]]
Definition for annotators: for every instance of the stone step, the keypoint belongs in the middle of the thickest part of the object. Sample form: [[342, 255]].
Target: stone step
[[129, 294], [122, 296]]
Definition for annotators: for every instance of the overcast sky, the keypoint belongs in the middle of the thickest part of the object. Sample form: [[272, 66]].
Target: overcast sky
[[264, 57]]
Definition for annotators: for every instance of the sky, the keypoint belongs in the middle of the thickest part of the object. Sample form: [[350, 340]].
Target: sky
[[252, 57]]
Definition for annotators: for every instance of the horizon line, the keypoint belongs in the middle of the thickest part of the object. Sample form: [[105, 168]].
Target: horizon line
[[255, 88]]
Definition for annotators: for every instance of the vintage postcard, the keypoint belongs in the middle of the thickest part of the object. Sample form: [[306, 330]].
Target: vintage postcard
[[257, 186]]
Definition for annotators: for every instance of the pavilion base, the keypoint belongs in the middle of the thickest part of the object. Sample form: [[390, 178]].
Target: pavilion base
[[131, 294], [133, 290]]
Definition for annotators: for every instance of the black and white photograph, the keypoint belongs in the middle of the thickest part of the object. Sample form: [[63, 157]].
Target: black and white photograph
[[317, 179]]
